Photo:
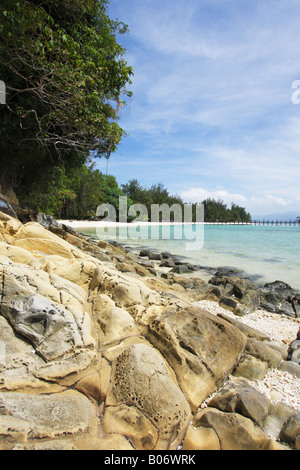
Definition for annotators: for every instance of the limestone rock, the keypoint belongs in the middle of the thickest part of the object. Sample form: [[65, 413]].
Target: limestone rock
[[251, 368], [235, 432], [113, 442], [201, 349], [115, 324], [201, 439], [46, 416], [132, 423], [291, 430], [50, 327], [142, 379], [239, 396], [264, 352]]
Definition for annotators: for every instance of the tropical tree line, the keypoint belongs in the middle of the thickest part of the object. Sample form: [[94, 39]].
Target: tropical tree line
[[78, 193], [214, 211]]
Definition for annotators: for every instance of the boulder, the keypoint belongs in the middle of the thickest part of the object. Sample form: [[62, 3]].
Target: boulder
[[49, 326], [95, 358], [294, 350], [201, 348], [291, 430], [180, 269], [154, 256], [237, 396], [251, 368], [264, 352], [241, 296], [115, 325], [160, 402], [234, 431], [167, 263], [276, 302], [29, 417]]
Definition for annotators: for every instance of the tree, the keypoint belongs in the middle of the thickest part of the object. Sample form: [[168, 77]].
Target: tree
[[65, 75], [217, 211]]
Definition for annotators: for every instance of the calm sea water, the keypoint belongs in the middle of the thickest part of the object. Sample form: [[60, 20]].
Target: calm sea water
[[264, 253]]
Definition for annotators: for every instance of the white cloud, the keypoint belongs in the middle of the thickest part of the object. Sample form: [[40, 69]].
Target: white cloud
[[200, 194], [213, 81], [264, 204]]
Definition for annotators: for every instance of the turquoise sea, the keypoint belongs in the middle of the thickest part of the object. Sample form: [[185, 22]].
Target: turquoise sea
[[263, 253]]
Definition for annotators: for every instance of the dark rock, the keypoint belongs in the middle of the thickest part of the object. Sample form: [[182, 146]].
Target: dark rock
[[167, 263], [144, 253], [279, 297], [188, 282], [227, 271], [154, 256], [192, 267], [277, 285], [238, 292], [146, 264], [166, 255], [47, 220], [229, 303], [7, 209], [275, 302], [180, 269], [177, 260], [26, 215]]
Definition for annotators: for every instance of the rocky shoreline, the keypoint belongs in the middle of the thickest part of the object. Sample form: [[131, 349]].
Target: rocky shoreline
[[102, 349]]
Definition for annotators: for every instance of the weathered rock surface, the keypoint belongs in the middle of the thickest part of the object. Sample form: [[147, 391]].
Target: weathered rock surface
[[201, 349], [97, 353]]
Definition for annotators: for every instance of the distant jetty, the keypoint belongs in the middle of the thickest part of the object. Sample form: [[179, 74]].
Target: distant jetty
[[277, 222]]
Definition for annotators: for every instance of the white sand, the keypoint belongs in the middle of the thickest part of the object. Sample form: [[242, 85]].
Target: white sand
[[277, 385], [93, 224], [281, 329]]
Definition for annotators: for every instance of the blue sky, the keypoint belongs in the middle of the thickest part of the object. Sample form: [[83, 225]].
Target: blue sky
[[212, 112]]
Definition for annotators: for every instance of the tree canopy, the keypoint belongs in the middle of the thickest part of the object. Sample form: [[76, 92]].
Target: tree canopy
[[65, 75]]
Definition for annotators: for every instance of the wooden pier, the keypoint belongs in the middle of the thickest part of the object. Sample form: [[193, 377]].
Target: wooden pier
[[277, 222]]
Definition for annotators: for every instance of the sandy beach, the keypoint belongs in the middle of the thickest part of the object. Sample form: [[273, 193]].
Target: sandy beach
[[100, 224], [277, 385]]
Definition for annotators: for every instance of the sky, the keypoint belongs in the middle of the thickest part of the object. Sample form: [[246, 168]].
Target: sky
[[213, 111]]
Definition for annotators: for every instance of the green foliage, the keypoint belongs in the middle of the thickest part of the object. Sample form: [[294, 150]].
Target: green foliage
[[65, 74], [156, 194], [214, 211], [217, 211]]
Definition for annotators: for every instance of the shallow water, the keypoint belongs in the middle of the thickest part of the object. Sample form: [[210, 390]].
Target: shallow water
[[264, 253]]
